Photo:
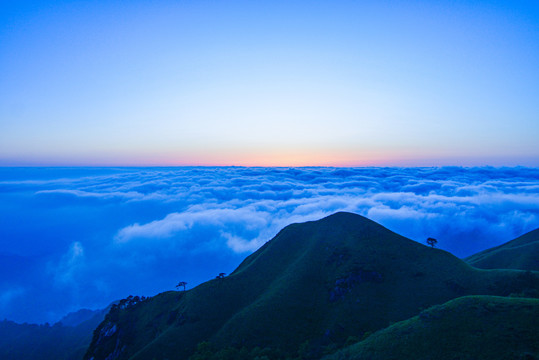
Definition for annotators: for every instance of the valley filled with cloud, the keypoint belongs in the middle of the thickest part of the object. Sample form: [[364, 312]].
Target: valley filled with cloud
[[83, 237]]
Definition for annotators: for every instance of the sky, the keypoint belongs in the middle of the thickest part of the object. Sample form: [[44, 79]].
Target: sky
[[266, 83], [74, 238], [420, 115]]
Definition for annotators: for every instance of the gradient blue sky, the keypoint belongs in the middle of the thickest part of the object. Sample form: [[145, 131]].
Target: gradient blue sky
[[269, 83]]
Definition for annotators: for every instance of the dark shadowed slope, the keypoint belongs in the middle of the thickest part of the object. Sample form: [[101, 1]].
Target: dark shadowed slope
[[521, 253], [312, 286], [470, 327]]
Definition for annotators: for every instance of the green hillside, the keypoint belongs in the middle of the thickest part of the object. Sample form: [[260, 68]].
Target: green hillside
[[521, 253], [306, 291], [470, 327]]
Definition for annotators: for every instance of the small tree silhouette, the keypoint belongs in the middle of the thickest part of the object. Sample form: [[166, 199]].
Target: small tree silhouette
[[180, 284], [220, 276], [432, 242]]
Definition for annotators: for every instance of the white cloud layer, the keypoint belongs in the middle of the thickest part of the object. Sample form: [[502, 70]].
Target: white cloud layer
[[152, 225], [416, 202]]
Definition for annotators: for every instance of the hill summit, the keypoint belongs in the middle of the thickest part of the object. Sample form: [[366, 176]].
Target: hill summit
[[308, 290]]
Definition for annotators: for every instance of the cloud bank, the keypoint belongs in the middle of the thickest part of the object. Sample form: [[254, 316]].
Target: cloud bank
[[90, 236]]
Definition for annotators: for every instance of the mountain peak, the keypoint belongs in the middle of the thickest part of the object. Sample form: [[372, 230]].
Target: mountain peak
[[318, 282], [344, 215], [341, 230], [341, 217]]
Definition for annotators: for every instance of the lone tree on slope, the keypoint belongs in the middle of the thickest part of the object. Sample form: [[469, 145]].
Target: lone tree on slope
[[180, 284], [432, 242]]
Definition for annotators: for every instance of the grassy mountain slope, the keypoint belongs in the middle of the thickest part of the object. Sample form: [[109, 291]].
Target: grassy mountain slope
[[470, 327], [315, 284], [521, 253]]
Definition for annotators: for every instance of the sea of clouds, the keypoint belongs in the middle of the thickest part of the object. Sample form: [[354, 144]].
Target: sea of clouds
[[83, 237]]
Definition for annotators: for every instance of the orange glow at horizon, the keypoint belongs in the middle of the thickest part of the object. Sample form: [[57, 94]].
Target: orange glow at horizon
[[292, 158], [250, 157]]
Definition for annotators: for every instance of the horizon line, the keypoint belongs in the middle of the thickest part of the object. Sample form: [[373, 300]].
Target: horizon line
[[67, 166]]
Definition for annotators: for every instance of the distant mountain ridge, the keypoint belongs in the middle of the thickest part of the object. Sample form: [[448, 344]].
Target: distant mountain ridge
[[78, 317], [68, 339], [308, 290]]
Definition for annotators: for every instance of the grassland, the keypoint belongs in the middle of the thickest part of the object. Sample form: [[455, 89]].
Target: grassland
[[470, 327], [521, 253]]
